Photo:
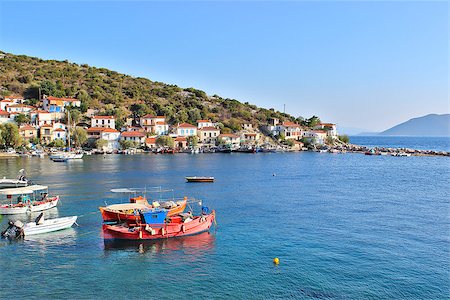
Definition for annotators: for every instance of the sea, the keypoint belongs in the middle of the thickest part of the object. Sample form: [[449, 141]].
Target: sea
[[344, 226]]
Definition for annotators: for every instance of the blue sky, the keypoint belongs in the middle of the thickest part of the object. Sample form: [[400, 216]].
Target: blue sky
[[364, 64]]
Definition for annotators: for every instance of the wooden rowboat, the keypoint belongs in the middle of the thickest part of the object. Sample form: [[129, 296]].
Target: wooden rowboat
[[177, 227], [199, 179]]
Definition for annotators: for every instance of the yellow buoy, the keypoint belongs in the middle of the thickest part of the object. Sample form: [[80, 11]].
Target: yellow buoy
[[276, 260]]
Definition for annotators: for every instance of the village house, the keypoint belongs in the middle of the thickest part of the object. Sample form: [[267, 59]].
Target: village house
[[205, 123], [134, 128], [230, 139], [110, 135], [19, 109], [249, 137], [315, 136], [103, 121], [328, 127], [291, 131], [42, 117], [54, 104], [247, 126], [185, 129], [208, 135], [4, 117], [46, 133], [154, 124], [150, 142], [135, 136], [181, 142], [5, 103], [28, 132]]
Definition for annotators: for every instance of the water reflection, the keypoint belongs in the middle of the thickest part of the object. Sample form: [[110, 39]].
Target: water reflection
[[194, 246]]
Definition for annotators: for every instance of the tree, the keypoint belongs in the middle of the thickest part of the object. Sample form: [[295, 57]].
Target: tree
[[329, 140], [165, 141], [58, 143], [75, 115], [9, 135], [101, 143], [344, 138], [127, 144], [34, 140], [192, 140], [290, 143], [79, 136], [313, 121], [22, 119]]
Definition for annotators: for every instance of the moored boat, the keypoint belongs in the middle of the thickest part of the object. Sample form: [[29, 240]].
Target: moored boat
[[20, 181], [175, 226], [131, 212], [49, 225], [199, 179], [28, 199]]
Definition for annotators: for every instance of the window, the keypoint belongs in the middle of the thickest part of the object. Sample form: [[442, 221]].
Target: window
[[182, 131]]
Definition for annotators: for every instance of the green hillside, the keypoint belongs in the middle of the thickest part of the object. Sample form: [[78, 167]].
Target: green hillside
[[123, 95]]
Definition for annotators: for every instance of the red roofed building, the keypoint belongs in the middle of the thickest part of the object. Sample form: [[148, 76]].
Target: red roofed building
[[110, 135], [181, 142], [208, 135], [28, 132], [103, 121], [205, 123], [54, 104], [150, 142], [328, 127], [185, 129], [4, 117], [135, 136], [155, 124]]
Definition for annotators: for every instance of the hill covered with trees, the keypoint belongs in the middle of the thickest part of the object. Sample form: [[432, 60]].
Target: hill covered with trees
[[121, 95]]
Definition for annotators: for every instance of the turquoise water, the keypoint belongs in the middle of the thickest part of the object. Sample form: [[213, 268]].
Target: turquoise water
[[345, 226]]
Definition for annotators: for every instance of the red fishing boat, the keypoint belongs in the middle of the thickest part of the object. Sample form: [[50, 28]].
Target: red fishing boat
[[175, 226], [130, 212]]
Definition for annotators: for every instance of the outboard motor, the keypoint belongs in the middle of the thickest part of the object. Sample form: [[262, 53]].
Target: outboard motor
[[14, 231]]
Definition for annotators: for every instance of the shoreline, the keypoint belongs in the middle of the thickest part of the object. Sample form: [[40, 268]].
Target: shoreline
[[342, 149]]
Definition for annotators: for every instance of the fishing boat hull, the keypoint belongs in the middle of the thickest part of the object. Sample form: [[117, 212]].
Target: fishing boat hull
[[15, 209], [129, 212], [146, 232], [200, 179], [49, 225]]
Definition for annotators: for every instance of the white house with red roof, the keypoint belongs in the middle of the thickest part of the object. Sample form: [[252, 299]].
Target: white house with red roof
[[5, 117], [19, 109], [103, 121], [6, 102], [110, 135], [208, 135], [135, 136], [315, 136], [54, 104], [230, 139], [155, 124], [291, 131], [185, 129], [205, 123], [330, 128]]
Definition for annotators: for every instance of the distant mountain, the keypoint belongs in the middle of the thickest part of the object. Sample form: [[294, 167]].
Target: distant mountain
[[429, 125]]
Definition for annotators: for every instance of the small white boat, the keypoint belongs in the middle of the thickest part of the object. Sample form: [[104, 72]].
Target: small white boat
[[20, 181], [49, 225]]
